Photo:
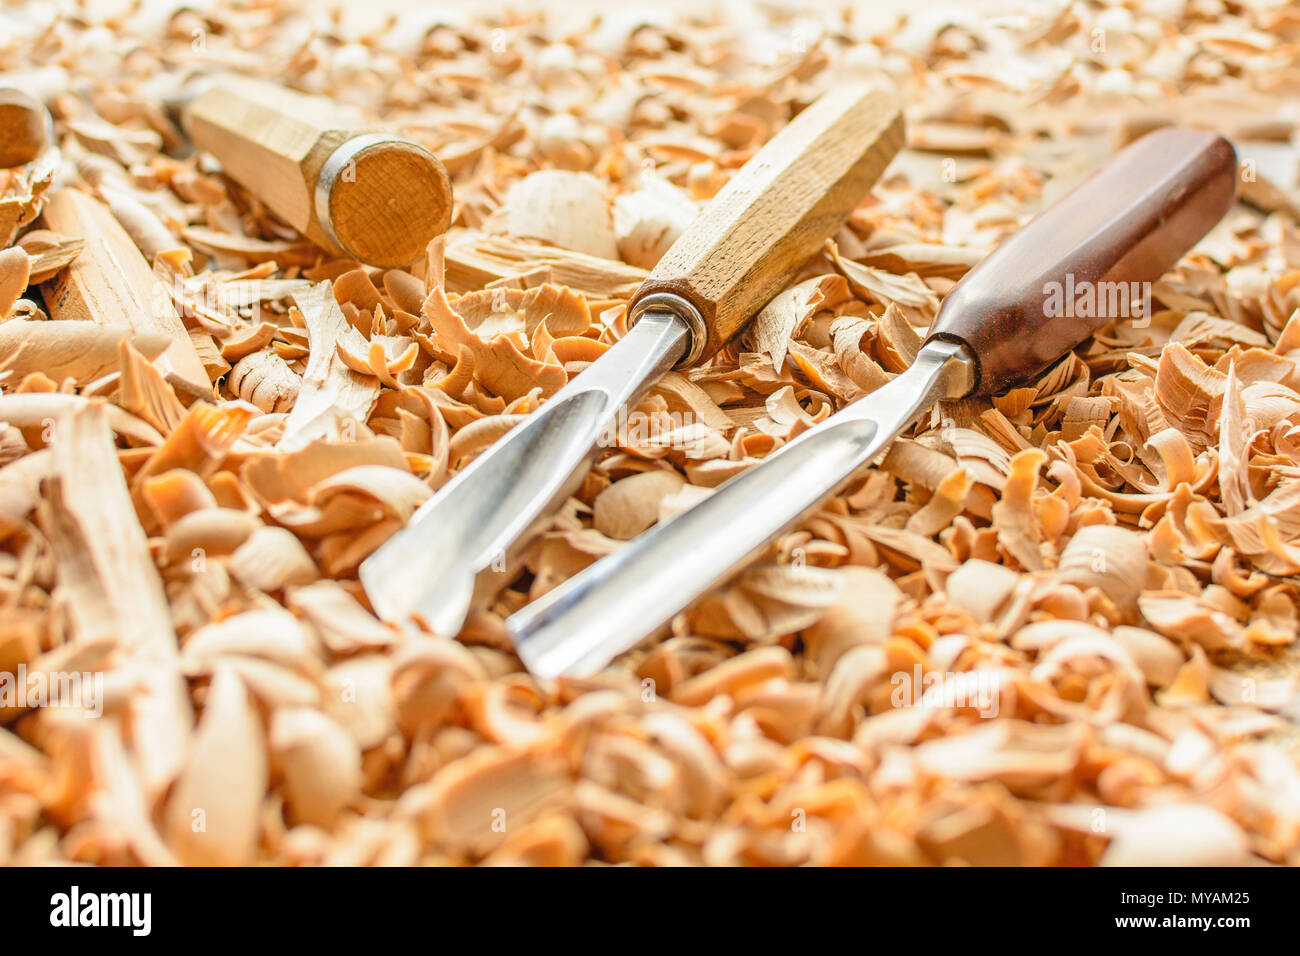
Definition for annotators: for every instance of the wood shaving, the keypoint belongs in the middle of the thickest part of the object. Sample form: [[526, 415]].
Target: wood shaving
[[1076, 596]]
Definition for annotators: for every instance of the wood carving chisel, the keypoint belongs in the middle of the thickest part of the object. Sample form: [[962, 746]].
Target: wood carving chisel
[[371, 196], [1129, 222], [460, 548]]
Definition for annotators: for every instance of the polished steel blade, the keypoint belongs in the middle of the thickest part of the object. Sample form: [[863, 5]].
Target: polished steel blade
[[584, 623], [458, 549]]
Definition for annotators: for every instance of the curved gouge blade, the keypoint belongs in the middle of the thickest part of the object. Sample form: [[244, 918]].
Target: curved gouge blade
[[458, 549], [579, 627]]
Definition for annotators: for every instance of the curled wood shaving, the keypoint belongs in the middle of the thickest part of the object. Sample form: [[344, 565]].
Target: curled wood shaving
[[781, 318], [212, 816], [566, 209], [265, 380], [649, 219], [332, 399], [321, 765]]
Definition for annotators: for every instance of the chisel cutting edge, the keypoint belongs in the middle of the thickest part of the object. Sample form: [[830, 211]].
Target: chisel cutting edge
[[1128, 223], [462, 546]]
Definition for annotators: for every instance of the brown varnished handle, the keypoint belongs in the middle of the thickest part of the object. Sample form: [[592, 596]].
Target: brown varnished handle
[[778, 210], [1083, 261], [374, 197]]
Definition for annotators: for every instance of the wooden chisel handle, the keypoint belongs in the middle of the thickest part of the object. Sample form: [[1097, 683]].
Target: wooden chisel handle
[[374, 197], [1087, 259], [776, 212]]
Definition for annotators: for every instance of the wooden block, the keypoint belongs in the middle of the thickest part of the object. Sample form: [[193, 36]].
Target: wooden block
[[111, 284]]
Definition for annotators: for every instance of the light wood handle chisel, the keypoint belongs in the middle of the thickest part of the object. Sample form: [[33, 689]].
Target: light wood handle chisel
[[1001, 325], [460, 547], [374, 197]]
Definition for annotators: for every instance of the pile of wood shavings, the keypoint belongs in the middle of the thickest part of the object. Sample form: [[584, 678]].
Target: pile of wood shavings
[[1113, 550]]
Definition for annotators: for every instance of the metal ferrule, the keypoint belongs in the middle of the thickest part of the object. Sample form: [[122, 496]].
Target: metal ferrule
[[676, 306]]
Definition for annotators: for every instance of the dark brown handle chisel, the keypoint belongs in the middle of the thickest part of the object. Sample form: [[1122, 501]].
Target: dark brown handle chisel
[[1127, 224], [1001, 324]]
